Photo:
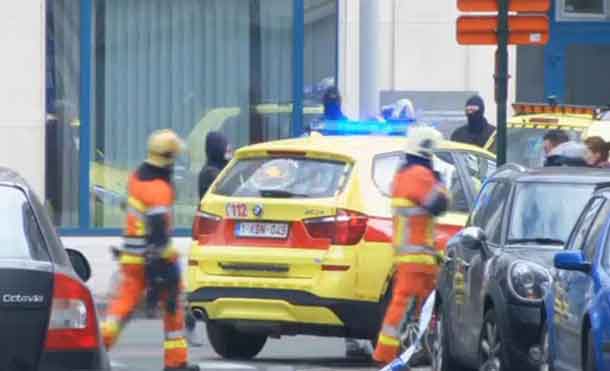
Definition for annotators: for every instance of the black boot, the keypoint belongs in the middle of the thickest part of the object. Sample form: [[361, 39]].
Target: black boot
[[186, 367]]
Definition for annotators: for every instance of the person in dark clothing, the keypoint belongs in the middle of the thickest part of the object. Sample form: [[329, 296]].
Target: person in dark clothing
[[332, 105], [218, 154], [552, 139], [560, 151], [477, 131]]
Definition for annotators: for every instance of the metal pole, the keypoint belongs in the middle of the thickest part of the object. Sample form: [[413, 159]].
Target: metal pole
[[501, 79], [369, 57]]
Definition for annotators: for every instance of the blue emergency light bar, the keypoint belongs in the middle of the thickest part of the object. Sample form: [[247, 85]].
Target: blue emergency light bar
[[348, 127]]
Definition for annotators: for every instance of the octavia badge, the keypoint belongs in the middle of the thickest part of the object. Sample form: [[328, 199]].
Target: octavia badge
[[257, 211]]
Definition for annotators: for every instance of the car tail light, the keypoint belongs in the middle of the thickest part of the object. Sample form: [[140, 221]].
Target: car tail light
[[205, 224], [345, 228], [73, 322]]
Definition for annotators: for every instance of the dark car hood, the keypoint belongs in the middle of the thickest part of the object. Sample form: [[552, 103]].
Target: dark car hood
[[541, 255]]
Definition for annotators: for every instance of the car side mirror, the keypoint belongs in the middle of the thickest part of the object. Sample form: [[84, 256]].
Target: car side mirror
[[80, 264], [572, 261], [473, 238]]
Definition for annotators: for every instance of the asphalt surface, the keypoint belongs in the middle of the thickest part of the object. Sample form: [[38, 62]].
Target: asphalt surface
[[140, 349]]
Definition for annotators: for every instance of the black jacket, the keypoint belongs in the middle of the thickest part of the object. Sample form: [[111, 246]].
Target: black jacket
[[567, 154], [215, 148], [475, 137], [477, 131]]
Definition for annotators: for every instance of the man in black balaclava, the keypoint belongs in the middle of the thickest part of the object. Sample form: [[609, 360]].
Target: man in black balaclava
[[332, 105], [478, 130], [218, 154]]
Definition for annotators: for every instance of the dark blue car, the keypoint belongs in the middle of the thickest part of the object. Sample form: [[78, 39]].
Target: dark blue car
[[577, 331]]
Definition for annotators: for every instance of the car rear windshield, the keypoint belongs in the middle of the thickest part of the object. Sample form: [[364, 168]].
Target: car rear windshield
[[547, 210], [284, 177], [20, 237]]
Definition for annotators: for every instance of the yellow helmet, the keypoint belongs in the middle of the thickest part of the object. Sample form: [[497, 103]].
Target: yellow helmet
[[163, 148], [422, 140]]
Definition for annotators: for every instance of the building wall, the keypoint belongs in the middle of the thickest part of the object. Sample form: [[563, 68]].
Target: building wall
[[22, 108], [418, 51]]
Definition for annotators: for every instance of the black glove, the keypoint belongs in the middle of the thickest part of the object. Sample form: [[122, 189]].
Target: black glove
[[162, 277]]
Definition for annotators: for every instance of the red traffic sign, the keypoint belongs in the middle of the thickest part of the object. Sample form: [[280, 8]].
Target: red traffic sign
[[528, 6], [524, 30]]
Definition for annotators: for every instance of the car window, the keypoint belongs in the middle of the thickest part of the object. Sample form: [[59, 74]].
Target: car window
[[526, 145], [585, 221], [385, 167], [20, 237], [446, 166], [546, 210], [489, 208], [284, 177], [596, 231], [479, 167]]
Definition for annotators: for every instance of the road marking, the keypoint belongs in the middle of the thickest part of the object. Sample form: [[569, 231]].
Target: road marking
[[118, 365], [224, 366]]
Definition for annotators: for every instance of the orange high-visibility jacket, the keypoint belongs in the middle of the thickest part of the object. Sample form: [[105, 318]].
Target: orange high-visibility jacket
[[418, 197], [149, 214]]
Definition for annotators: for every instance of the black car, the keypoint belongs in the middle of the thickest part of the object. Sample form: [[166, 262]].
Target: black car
[[47, 315], [492, 285]]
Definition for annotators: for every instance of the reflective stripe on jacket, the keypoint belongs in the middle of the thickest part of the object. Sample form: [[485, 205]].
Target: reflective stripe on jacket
[[149, 215], [418, 197]]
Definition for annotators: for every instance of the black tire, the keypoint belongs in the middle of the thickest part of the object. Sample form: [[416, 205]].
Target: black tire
[[230, 343], [442, 360], [409, 330], [589, 356], [492, 348]]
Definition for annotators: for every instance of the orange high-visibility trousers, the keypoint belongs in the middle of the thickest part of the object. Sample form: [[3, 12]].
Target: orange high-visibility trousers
[[408, 283], [122, 304]]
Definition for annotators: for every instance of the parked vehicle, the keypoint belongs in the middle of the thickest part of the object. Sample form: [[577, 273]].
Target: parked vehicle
[[48, 320], [577, 331], [492, 286]]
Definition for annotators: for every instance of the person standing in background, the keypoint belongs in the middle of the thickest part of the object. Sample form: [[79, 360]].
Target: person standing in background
[[477, 131]]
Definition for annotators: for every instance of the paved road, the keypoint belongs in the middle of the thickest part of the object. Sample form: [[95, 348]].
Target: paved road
[[140, 349]]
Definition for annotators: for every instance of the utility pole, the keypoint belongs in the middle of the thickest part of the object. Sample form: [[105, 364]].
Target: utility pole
[[501, 79], [369, 58]]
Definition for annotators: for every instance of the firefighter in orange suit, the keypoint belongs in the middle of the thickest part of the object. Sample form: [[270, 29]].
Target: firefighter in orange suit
[[149, 262], [418, 197]]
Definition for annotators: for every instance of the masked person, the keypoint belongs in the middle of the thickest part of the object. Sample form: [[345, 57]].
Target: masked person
[[149, 262], [418, 198], [332, 105], [477, 131], [218, 152]]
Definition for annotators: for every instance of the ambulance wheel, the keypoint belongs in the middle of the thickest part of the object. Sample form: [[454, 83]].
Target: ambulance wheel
[[230, 343]]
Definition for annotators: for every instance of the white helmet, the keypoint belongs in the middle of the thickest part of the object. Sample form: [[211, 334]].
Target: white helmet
[[422, 140]]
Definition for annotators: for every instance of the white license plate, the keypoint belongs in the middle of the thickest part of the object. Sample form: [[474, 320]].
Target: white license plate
[[261, 230]]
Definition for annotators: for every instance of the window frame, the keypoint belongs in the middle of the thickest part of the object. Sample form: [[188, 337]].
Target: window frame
[[84, 210], [561, 15], [578, 226], [509, 199], [458, 162]]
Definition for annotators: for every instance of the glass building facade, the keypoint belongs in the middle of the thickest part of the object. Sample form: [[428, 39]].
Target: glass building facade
[[119, 69]]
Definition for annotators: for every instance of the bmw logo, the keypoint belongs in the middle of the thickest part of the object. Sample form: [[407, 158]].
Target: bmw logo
[[257, 211]]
